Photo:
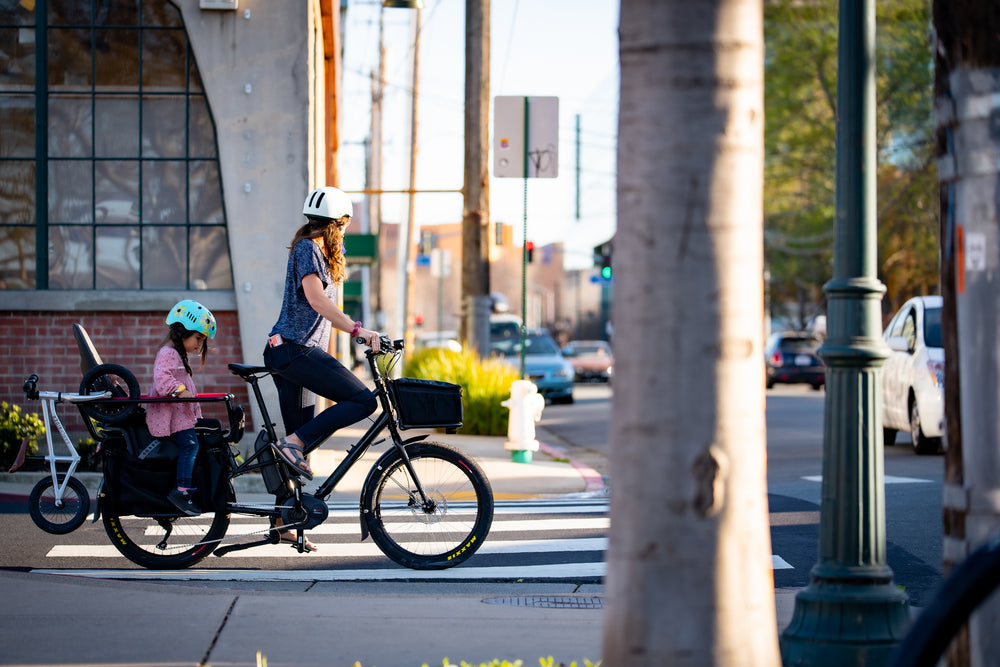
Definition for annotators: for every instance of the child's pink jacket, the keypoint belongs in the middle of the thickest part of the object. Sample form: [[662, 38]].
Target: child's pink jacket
[[168, 374]]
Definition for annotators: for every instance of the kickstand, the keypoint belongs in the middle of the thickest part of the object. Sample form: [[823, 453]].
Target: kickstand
[[229, 548]]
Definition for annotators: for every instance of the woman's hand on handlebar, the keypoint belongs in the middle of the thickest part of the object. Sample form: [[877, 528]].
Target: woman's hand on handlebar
[[370, 338]]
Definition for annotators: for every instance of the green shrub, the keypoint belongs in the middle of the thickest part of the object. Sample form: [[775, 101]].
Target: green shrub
[[14, 428], [485, 384]]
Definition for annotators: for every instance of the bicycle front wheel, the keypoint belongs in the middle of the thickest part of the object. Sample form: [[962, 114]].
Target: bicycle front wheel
[[436, 530], [63, 515], [166, 541]]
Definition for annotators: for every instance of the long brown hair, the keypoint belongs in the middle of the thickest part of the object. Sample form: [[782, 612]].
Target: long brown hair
[[332, 232], [176, 336]]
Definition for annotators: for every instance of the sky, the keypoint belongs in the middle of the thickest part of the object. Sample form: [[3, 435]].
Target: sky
[[562, 48]]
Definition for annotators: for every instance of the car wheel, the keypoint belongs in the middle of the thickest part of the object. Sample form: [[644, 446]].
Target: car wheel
[[770, 383], [888, 437], [921, 443]]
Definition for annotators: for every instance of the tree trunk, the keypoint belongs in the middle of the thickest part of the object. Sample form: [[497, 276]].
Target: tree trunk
[[967, 83], [689, 563]]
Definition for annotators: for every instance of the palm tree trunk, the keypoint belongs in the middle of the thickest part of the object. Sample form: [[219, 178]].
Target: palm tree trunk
[[689, 564]]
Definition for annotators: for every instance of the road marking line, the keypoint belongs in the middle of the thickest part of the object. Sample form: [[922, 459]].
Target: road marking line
[[889, 479]]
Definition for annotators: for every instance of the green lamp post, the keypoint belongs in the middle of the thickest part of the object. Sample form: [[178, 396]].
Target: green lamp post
[[851, 613]]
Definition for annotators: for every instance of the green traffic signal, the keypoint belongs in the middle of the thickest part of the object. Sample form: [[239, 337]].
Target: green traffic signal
[[606, 272]]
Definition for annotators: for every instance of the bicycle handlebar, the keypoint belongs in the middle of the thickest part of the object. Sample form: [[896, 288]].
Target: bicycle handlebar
[[30, 388], [386, 344]]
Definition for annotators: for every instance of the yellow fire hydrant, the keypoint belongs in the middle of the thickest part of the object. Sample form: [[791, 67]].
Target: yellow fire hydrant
[[525, 405]]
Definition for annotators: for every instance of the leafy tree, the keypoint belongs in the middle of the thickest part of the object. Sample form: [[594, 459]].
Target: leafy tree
[[799, 138]]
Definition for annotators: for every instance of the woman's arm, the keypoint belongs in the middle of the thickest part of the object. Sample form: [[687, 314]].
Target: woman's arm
[[312, 286]]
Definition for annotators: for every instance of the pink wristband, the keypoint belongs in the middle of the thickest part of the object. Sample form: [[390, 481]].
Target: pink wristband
[[356, 329]]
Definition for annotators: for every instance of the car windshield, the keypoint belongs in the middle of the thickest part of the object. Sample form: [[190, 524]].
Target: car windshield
[[932, 327], [534, 344], [796, 344]]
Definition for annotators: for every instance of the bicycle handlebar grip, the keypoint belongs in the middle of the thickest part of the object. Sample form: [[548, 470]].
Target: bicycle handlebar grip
[[29, 386]]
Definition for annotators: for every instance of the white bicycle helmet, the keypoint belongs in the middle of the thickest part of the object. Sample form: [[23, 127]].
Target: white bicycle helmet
[[327, 203], [194, 316]]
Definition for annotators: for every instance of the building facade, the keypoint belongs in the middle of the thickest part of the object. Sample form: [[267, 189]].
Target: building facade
[[153, 151]]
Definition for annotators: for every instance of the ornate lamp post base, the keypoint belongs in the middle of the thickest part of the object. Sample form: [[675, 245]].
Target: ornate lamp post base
[[840, 624]]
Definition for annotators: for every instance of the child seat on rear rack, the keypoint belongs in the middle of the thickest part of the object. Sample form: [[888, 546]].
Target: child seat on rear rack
[[140, 469]]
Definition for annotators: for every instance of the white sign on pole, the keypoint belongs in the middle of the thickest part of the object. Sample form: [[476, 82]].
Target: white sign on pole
[[511, 133], [440, 263]]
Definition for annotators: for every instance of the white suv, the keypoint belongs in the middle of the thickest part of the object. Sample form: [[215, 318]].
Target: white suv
[[913, 375]]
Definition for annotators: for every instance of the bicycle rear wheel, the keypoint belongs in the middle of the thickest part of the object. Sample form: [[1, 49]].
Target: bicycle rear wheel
[[165, 541], [63, 516], [442, 532]]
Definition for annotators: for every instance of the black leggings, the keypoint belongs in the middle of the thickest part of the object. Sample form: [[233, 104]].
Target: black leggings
[[300, 374]]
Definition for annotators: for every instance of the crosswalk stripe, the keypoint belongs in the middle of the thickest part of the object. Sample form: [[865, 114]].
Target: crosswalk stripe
[[357, 550], [505, 526], [887, 479]]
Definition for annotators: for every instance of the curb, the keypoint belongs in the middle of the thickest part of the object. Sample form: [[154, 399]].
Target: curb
[[593, 480]]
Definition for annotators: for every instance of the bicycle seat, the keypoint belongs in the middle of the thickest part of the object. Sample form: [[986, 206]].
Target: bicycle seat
[[246, 371]]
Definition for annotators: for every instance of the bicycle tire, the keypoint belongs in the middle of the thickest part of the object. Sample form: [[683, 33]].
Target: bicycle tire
[[191, 538], [55, 519], [973, 581], [120, 382], [435, 538]]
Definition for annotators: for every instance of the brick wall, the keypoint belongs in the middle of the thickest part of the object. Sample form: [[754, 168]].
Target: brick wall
[[43, 344]]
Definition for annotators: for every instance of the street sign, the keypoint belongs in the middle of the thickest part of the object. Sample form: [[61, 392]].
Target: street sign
[[440, 263], [526, 120]]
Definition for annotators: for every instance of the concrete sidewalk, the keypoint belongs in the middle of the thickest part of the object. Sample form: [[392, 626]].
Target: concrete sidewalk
[[64, 620]]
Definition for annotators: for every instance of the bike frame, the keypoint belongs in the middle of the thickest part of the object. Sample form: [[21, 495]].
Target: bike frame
[[384, 420]]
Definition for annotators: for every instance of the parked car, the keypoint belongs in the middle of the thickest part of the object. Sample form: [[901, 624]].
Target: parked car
[[504, 325], [591, 359], [913, 375], [543, 363], [790, 358], [446, 339]]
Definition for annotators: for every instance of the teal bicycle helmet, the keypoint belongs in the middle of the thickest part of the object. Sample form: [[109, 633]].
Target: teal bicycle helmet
[[193, 316]]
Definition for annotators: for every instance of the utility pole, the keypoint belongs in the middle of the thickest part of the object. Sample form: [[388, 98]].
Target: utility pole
[[375, 164], [475, 330], [407, 262], [967, 106]]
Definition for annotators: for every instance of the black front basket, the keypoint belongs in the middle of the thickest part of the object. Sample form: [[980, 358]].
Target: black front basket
[[426, 403]]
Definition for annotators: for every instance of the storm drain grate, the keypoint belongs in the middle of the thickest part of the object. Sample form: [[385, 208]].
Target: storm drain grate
[[550, 601]]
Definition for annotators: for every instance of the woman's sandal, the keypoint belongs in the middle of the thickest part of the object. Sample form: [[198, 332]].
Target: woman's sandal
[[296, 460], [289, 537]]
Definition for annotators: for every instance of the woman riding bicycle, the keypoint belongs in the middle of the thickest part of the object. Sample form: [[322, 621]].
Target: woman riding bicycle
[[296, 348]]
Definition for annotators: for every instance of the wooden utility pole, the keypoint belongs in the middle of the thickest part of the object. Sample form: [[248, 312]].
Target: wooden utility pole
[[408, 261], [966, 89], [476, 210]]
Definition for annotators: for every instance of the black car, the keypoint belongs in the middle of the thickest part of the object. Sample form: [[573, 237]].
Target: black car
[[790, 358]]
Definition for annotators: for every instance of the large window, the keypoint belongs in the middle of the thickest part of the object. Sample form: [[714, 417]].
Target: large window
[[108, 156]]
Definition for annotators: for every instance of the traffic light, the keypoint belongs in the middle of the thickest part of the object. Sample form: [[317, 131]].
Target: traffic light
[[428, 240], [606, 266], [529, 250]]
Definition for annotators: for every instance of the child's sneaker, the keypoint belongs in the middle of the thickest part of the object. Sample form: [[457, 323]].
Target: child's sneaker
[[183, 501]]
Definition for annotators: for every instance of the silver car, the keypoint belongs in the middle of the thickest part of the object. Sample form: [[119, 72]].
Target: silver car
[[913, 375]]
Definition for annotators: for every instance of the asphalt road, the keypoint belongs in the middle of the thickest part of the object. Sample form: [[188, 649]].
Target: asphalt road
[[794, 416]]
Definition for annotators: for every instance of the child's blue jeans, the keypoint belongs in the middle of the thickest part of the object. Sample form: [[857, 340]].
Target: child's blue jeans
[[187, 443]]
